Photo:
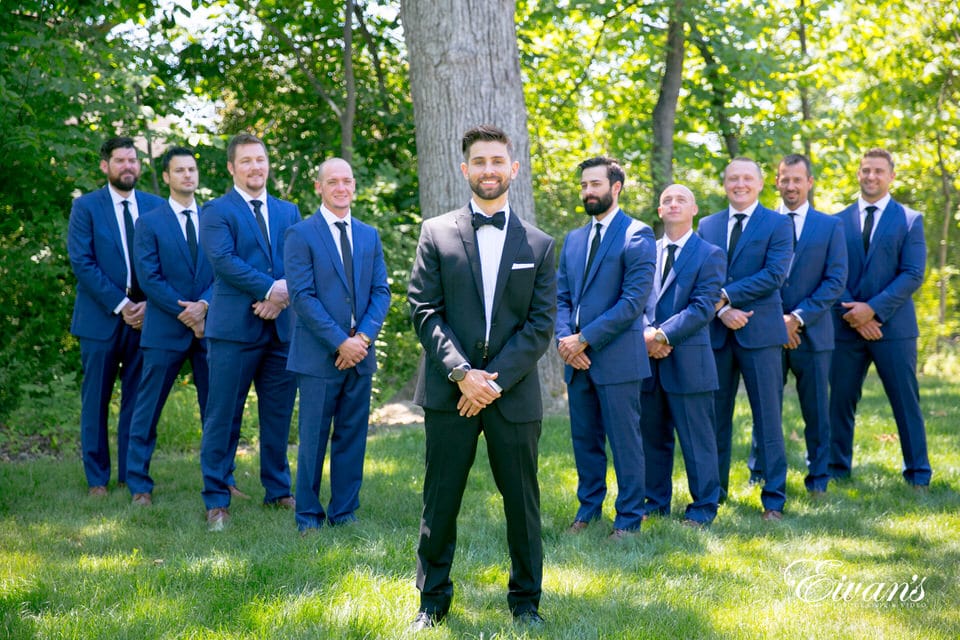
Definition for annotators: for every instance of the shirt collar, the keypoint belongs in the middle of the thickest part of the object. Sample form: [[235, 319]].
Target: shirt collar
[[800, 211], [680, 242], [331, 218], [177, 207], [880, 204], [117, 198], [247, 197], [748, 211]]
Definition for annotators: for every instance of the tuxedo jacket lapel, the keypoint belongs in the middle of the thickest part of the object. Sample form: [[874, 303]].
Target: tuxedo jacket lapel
[[511, 245], [469, 240]]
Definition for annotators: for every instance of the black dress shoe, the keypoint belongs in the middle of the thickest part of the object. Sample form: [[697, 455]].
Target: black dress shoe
[[425, 620], [529, 618]]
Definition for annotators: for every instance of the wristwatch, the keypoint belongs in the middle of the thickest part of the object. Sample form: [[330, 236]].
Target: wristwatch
[[582, 340], [457, 374], [364, 337], [661, 337]]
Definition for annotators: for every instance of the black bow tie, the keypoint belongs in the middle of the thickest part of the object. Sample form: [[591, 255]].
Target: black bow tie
[[498, 220]]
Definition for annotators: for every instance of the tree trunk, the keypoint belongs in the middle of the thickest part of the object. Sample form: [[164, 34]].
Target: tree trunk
[[465, 71], [720, 96], [350, 87], [665, 112]]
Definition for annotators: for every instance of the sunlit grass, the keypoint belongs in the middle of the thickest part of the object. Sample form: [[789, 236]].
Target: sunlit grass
[[71, 567]]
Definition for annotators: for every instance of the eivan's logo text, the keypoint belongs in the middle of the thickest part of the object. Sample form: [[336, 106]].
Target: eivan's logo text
[[814, 580]]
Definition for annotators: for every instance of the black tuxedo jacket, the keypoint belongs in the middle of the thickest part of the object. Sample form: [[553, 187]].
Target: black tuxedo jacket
[[446, 302]]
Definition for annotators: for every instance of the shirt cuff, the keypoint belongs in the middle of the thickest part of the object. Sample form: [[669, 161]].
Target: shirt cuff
[[120, 306], [796, 314], [723, 310], [270, 290]]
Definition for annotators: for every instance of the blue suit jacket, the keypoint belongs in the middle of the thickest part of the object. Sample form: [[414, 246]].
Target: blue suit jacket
[[167, 274], [683, 308], [886, 277], [243, 266], [320, 294], [816, 279], [96, 255], [754, 275], [611, 298]]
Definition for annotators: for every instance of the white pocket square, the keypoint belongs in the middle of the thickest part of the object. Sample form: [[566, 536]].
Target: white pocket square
[[523, 265]]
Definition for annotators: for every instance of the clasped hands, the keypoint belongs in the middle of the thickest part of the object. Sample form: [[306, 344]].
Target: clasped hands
[[279, 300], [194, 315], [732, 318], [862, 318], [133, 313], [571, 351], [350, 352], [655, 349], [477, 393]]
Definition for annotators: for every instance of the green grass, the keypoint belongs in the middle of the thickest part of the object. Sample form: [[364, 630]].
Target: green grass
[[71, 567]]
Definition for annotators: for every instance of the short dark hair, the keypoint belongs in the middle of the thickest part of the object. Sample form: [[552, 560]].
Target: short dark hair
[[877, 152], [111, 145], [175, 151], [241, 139], [485, 133], [615, 172], [797, 158]]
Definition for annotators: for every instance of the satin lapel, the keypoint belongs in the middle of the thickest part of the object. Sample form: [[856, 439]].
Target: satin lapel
[[511, 246], [615, 230], [172, 227], [469, 240]]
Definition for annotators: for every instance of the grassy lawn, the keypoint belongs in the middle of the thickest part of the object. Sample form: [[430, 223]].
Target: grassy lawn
[[72, 567]]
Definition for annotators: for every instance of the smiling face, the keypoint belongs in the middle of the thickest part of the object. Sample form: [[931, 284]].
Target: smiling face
[[875, 175], [488, 169], [794, 184], [336, 186], [122, 169], [742, 182], [250, 168]]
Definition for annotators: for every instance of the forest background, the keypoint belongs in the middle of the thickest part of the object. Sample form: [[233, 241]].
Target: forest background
[[672, 88]]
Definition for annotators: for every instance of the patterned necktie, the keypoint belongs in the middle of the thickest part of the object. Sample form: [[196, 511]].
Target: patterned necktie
[[735, 235], [191, 234], [668, 263], [868, 227]]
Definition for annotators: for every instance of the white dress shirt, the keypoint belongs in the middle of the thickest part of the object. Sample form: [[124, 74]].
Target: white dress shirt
[[880, 204], [490, 247], [127, 249]]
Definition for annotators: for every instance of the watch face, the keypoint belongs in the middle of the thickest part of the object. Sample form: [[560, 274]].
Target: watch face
[[457, 375]]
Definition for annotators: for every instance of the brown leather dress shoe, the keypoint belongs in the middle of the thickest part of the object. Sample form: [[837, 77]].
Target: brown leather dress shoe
[[286, 503], [618, 535], [236, 493], [578, 526], [772, 515], [97, 492], [143, 499], [217, 518]]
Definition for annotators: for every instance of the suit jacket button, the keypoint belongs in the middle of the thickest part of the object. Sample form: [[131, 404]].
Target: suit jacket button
[[479, 345]]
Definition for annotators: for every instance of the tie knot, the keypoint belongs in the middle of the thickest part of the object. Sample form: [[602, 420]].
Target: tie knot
[[499, 219], [671, 249], [126, 204], [187, 213], [341, 225], [739, 217], [871, 209], [256, 205], [793, 214]]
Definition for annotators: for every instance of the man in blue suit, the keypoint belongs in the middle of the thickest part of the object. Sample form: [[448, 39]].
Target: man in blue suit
[[814, 281], [177, 281], [876, 321], [109, 309], [248, 327], [679, 394], [338, 287], [604, 280], [748, 333]]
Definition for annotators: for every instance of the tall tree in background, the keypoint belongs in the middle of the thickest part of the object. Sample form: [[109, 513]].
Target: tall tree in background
[[465, 71], [665, 113]]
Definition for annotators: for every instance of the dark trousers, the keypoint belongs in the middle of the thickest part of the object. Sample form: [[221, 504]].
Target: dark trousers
[[762, 371], [160, 370], [102, 361], [896, 363], [512, 448], [233, 366], [344, 403]]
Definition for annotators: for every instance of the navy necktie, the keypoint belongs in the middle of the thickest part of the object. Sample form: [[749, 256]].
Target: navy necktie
[[668, 263], [735, 235], [191, 235], [793, 221], [346, 252], [594, 246], [134, 293], [868, 227], [261, 222]]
